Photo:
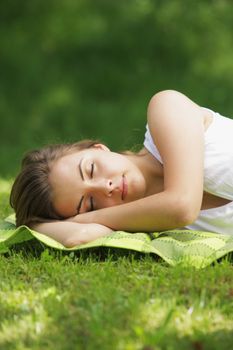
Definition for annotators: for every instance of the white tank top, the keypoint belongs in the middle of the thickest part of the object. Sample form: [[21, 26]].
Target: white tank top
[[218, 174]]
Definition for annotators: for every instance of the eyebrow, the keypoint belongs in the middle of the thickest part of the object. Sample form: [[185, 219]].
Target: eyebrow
[[80, 169], [82, 177]]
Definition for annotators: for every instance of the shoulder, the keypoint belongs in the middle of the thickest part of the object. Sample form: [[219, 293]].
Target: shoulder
[[171, 99], [171, 106], [168, 94], [177, 129]]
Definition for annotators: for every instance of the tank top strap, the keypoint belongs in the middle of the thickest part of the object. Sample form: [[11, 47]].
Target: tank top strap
[[150, 146]]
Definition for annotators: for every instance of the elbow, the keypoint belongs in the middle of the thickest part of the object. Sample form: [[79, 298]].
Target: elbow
[[71, 242], [76, 238], [185, 218], [185, 213]]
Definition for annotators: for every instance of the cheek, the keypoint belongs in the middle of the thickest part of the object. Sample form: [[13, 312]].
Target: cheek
[[137, 188], [65, 210], [107, 202]]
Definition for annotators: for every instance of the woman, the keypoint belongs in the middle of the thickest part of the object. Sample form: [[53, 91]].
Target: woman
[[182, 177]]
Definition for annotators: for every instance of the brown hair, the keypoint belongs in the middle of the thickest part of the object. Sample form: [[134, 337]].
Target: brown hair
[[31, 194]]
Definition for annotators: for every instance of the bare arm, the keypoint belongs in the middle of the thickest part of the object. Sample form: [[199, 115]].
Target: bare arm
[[176, 125], [71, 234]]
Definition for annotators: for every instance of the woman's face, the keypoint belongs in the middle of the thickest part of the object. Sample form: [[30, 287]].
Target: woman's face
[[94, 178]]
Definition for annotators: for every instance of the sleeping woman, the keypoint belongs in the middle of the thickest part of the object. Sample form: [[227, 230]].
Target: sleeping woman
[[181, 178]]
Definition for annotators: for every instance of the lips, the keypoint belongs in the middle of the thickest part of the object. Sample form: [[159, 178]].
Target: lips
[[124, 187]]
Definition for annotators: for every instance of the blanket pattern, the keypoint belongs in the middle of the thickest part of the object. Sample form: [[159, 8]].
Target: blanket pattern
[[187, 247]]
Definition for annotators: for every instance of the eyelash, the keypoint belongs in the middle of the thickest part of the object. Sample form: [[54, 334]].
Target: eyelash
[[92, 170], [92, 205], [91, 199]]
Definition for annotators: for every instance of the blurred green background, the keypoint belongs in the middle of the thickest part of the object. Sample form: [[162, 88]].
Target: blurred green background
[[71, 69]]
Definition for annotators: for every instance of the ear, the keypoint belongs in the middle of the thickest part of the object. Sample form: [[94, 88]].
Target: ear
[[101, 146]]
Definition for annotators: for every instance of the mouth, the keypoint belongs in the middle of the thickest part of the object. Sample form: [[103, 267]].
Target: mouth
[[124, 187]]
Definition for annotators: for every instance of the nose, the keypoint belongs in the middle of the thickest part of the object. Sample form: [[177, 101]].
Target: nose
[[103, 186]]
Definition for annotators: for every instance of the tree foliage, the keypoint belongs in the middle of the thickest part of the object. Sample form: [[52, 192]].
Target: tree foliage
[[74, 69]]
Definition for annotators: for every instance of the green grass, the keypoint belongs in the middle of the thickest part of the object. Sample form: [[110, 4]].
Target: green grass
[[110, 299]]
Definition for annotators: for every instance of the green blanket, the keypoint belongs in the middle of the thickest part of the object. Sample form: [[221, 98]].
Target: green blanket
[[186, 247]]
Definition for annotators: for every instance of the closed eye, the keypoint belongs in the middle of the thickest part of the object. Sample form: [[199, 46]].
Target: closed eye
[[91, 199], [92, 205], [92, 170]]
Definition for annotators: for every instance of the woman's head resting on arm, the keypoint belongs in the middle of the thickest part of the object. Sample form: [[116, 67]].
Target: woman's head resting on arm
[[60, 181], [31, 194]]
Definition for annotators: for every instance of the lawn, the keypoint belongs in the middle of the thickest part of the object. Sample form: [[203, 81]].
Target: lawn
[[110, 299]]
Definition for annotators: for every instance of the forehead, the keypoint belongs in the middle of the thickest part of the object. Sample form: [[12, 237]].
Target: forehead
[[65, 182], [65, 165]]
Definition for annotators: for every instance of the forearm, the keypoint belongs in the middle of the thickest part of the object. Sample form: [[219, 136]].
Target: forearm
[[158, 212], [88, 233], [71, 234]]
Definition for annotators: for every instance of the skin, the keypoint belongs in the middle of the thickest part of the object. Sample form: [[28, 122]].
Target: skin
[[182, 149], [101, 184], [158, 198]]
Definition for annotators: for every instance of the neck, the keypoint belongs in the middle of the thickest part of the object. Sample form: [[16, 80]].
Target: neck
[[152, 171]]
